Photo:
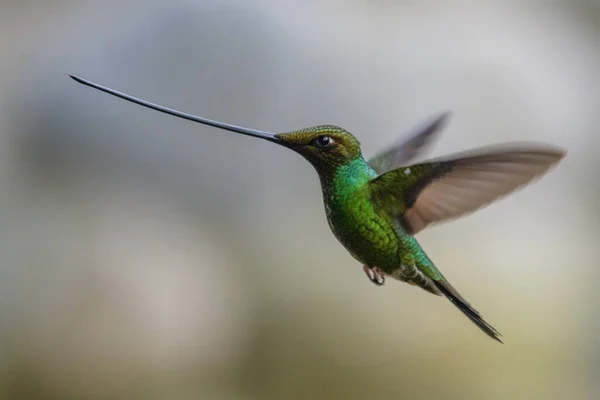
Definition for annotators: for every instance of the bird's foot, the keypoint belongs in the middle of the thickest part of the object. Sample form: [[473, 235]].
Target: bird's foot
[[375, 275]]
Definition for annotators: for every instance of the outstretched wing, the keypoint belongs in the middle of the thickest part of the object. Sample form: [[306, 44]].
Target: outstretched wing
[[448, 188], [409, 146]]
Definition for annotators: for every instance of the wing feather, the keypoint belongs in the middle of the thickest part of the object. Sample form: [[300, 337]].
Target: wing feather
[[409, 146], [451, 187]]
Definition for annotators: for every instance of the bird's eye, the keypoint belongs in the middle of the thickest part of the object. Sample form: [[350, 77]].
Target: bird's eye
[[323, 141]]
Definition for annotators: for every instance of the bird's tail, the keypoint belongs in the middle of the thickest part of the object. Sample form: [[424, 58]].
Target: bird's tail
[[455, 298]]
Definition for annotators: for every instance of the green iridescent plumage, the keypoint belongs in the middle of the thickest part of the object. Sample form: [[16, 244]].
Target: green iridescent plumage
[[376, 207]]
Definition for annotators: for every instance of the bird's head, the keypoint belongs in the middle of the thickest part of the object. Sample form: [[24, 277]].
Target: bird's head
[[325, 147]]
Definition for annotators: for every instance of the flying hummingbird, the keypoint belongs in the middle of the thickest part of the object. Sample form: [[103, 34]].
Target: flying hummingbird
[[375, 207]]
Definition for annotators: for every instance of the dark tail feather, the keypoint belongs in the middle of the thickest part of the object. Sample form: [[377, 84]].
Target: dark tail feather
[[456, 299]]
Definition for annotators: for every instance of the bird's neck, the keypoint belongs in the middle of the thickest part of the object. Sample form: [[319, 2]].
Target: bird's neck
[[340, 182]]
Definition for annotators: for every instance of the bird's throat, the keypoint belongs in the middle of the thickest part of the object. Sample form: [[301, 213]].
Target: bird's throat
[[346, 179]]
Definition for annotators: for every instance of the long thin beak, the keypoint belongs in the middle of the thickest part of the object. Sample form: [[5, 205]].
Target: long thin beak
[[238, 129]]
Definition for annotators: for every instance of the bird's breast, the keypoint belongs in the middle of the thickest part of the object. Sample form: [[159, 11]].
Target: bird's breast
[[367, 235]]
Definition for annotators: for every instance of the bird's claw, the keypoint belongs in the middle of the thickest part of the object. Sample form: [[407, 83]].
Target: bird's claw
[[375, 275]]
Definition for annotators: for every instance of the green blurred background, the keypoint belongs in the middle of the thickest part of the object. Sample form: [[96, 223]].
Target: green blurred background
[[145, 257]]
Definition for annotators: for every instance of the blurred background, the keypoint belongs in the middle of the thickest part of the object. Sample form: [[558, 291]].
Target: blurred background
[[146, 257]]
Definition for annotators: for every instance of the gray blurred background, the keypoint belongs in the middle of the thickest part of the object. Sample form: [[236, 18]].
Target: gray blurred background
[[146, 257]]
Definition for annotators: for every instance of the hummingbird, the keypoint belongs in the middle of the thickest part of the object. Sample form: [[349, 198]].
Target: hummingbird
[[375, 207]]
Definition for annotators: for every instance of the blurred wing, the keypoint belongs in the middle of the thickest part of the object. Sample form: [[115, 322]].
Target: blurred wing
[[409, 146], [448, 188]]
